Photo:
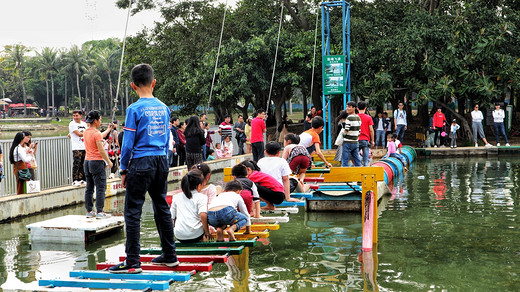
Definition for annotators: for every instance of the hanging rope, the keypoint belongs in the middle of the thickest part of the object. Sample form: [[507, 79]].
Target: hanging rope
[[114, 109], [275, 58], [314, 55], [218, 54]]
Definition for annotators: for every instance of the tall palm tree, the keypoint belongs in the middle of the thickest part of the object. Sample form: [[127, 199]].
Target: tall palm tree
[[47, 61], [76, 60], [16, 59], [107, 63]]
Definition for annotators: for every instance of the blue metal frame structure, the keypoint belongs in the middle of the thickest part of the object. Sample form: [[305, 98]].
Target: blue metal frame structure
[[325, 50]]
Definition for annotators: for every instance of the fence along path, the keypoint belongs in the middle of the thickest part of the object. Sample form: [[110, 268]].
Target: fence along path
[[54, 159]]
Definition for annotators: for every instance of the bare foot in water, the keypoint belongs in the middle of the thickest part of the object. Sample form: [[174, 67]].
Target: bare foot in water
[[220, 234], [231, 232]]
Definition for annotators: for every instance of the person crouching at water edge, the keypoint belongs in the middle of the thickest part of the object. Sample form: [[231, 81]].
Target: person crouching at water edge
[[223, 212], [94, 166], [189, 210]]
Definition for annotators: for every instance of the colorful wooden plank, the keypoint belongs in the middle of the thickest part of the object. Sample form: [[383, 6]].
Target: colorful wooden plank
[[301, 195], [188, 259], [284, 219], [342, 174], [264, 226], [81, 283], [241, 236], [163, 276], [313, 179], [198, 251], [201, 267], [290, 210], [287, 204], [247, 242], [318, 170]]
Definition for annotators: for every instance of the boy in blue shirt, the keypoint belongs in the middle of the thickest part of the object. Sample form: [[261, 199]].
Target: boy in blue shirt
[[144, 167]]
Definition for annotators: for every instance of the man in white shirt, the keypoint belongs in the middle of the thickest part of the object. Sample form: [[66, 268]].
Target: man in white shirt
[[277, 167], [400, 123], [76, 129], [498, 118]]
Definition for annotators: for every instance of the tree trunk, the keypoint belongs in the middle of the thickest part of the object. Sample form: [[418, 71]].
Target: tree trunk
[[65, 96], [92, 95], [52, 92], [79, 91], [23, 91], [47, 89], [86, 97]]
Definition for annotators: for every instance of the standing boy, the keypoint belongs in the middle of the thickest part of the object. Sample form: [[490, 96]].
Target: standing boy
[[144, 168], [257, 134], [226, 129], [400, 122], [76, 129], [351, 136], [498, 121], [366, 136], [95, 166], [310, 139]]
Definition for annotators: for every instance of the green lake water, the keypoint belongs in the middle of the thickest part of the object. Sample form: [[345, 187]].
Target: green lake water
[[452, 225]]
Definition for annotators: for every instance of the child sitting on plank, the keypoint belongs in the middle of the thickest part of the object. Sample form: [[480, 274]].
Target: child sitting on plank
[[249, 190], [223, 212], [189, 210], [269, 189]]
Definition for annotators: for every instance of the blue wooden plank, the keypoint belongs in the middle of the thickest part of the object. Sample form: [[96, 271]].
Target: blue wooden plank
[[135, 285], [339, 188], [178, 277], [301, 195], [287, 204]]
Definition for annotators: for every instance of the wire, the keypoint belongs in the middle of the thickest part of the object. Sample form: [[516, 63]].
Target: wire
[[275, 58], [314, 54], [218, 54], [114, 109]]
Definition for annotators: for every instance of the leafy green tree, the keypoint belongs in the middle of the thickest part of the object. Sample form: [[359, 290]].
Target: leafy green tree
[[16, 60], [47, 61]]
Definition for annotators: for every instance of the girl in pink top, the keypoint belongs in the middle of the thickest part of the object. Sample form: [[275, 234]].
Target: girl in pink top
[[269, 189]]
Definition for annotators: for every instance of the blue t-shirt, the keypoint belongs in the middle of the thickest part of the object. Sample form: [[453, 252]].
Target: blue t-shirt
[[146, 130]]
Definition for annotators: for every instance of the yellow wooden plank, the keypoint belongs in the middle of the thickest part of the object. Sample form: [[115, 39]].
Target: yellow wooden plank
[[240, 235], [344, 174], [262, 227]]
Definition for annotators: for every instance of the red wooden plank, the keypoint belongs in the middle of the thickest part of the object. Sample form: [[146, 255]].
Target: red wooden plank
[[314, 179], [205, 267], [188, 258]]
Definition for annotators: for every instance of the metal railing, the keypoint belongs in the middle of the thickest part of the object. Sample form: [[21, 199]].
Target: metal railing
[[54, 159]]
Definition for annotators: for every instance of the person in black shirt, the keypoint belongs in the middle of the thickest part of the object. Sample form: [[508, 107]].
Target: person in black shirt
[[194, 141]]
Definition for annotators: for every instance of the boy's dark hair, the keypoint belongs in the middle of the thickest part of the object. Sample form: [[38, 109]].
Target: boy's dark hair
[[259, 111], [352, 104], [211, 151], [174, 118], [227, 116], [240, 116], [361, 105], [272, 147], [295, 139], [77, 111], [201, 115], [233, 186], [385, 113], [317, 122], [142, 75], [394, 136], [239, 170]]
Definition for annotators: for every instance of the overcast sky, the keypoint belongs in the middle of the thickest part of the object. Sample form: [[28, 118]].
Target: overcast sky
[[62, 23]]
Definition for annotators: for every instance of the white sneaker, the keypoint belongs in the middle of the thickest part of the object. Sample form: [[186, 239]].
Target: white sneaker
[[91, 214], [476, 145], [489, 145], [111, 176], [507, 145], [76, 183], [102, 215], [82, 183], [435, 146], [498, 144]]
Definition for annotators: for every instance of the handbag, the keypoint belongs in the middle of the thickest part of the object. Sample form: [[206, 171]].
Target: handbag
[[23, 171], [339, 139]]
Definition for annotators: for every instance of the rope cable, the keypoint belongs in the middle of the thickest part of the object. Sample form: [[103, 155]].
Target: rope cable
[[218, 55], [275, 58], [314, 54], [114, 109]]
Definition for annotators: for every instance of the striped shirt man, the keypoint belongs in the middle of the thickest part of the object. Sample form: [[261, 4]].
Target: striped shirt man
[[352, 129]]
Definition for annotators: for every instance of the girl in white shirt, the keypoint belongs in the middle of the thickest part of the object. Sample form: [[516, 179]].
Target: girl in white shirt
[[189, 210], [19, 158], [223, 212]]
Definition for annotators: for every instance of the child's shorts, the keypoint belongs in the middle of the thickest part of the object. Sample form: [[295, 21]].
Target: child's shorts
[[299, 164], [227, 216]]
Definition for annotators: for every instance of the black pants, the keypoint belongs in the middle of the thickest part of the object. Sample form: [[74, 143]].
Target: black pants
[[269, 195], [258, 150], [78, 158], [438, 131]]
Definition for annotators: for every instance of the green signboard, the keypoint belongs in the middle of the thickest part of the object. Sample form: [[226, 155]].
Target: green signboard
[[333, 74]]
